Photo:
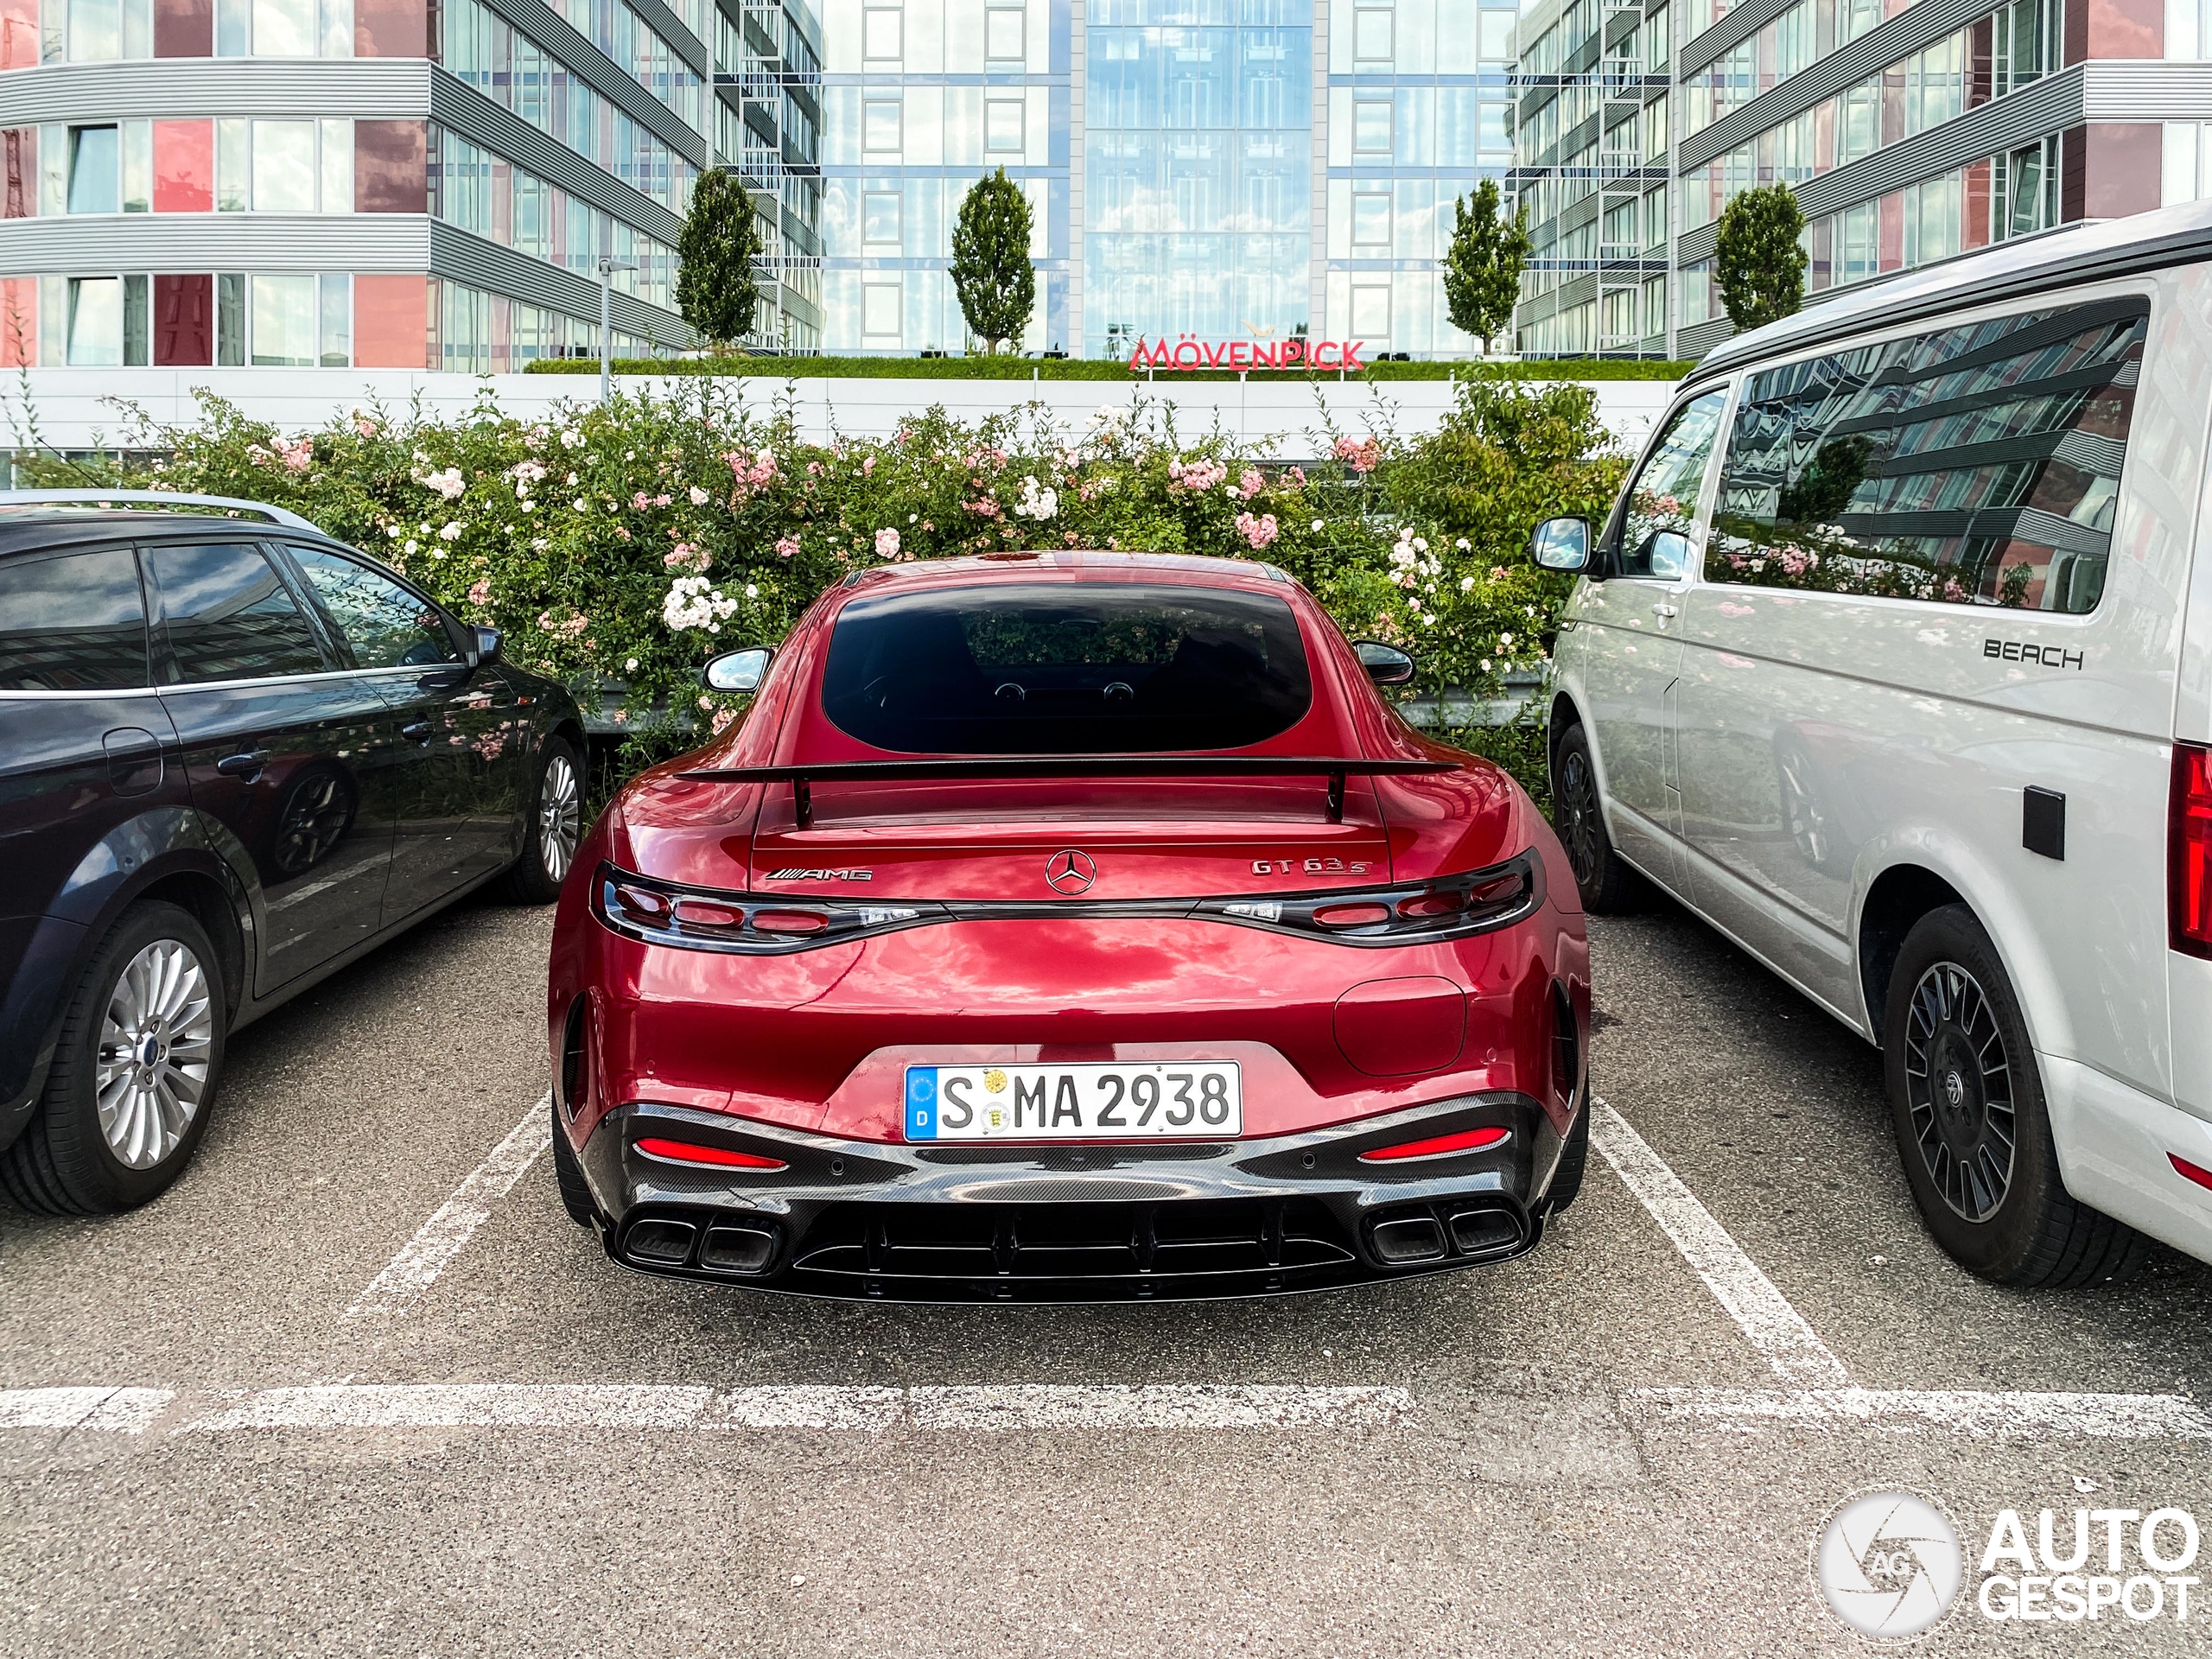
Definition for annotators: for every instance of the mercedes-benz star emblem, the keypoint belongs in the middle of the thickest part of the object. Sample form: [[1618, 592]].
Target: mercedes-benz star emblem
[[1070, 872]]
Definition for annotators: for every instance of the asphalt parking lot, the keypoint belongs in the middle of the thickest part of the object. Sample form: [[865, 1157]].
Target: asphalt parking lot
[[357, 1385]]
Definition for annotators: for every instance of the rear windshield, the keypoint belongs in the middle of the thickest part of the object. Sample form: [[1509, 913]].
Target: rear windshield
[[1065, 668]]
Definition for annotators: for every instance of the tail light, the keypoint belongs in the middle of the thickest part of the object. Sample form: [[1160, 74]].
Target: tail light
[[1438, 1146], [2189, 851], [1449, 907], [742, 923], [690, 1151], [2190, 1171]]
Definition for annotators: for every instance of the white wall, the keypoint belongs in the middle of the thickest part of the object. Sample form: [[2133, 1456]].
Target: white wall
[[81, 409]]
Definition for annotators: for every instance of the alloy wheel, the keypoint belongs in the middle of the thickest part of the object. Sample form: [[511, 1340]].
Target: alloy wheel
[[1958, 1091], [560, 816], [1578, 819], [156, 1038]]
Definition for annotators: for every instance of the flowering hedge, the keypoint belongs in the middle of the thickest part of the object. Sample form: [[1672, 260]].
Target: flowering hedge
[[626, 544]]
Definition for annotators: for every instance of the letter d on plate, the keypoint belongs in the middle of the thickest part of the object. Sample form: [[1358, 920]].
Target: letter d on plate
[[921, 1102]]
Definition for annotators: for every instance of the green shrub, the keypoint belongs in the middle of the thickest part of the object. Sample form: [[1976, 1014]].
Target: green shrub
[[626, 544]]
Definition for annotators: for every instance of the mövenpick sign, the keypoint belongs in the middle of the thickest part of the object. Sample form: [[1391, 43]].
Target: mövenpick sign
[[1190, 352]]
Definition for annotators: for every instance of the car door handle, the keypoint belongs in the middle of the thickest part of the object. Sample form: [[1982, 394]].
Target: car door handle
[[247, 765], [418, 730], [1664, 609]]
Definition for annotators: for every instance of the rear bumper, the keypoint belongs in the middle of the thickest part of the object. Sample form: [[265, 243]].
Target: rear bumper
[[1070, 1223]]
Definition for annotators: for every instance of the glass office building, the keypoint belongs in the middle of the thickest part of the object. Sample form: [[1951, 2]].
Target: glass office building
[[389, 183], [1911, 132], [1221, 169]]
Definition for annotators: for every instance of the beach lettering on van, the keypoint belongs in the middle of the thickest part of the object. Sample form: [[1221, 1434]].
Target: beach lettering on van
[[2026, 650]]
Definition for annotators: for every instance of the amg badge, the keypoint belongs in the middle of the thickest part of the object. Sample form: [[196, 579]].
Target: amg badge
[[822, 875]]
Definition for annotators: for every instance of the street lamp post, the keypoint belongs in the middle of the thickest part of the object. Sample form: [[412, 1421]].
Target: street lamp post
[[607, 266]]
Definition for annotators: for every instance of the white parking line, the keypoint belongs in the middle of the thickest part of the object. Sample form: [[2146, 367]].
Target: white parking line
[[424, 1256], [1775, 1329], [1983, 1415], [989, 1407]]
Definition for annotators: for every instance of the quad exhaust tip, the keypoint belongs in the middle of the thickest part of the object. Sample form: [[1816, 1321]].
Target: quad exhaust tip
[[664, 1242], [1407, 1236]]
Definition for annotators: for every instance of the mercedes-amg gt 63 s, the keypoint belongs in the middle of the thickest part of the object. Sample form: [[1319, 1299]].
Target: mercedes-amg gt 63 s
[[1068, 927]]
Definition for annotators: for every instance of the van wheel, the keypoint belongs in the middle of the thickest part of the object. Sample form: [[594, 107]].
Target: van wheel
[[554, 827], [135, 1072], [1967, 1100], [1606, 884]]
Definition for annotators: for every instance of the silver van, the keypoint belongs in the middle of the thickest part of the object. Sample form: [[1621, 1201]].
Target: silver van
[[1894, 663]]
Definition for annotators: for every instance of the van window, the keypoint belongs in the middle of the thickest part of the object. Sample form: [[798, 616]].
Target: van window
[[1659, 506], [1973, 466]]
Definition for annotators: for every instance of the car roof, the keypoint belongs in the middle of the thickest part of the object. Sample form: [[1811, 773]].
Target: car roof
[[50, 529], [2089, 251], [1182, 570]]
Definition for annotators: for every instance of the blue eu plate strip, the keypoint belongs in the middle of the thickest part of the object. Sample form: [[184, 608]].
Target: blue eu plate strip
[[921, 1102]]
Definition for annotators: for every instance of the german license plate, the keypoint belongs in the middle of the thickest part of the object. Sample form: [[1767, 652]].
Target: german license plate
[[1074, 1102]]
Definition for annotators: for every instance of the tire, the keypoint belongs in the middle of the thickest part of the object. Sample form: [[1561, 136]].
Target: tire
[[568, 1176], [1966, 1101], [1607, 885], [156, 978], [553, 827], [1574, 1161]]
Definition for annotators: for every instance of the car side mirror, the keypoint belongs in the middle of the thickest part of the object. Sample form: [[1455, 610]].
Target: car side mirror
[[1561, 543], [739, 670], [483, 646], [1385, 664]]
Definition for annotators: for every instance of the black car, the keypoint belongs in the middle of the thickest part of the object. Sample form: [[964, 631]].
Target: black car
[[235, 754]]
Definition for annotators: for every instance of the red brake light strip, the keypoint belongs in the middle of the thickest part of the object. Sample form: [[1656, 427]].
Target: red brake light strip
[[685, 1151], [1438, 1146]]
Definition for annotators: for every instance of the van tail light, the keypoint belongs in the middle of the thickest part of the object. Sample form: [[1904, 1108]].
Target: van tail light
[[2189, 851]]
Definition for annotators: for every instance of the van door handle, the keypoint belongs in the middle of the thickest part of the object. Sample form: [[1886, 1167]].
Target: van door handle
[[247, 765], [418, 731], [1662, 609]]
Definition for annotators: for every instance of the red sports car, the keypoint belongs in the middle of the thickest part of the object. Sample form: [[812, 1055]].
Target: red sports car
[[1068, 927]]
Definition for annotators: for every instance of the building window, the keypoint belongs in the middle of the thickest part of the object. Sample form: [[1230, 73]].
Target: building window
[[271, 166], [881, 35], [881, 126], [285, 321], [1371, 34], [879, 308], [1003, 123], [1498, 35], [1370, 218], [95, 170], [1370, 311], [1370, 127], [95, 322], [284, 28], [880, 217], [1003, 40]]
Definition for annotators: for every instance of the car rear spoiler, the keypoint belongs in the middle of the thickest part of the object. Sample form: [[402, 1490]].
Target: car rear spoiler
[[1335, 769]]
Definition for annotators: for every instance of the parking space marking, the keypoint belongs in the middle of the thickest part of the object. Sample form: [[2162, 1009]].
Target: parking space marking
[[416, 1268], [988, 1408], [1980, 1415], [120, 1411], [1775, 1328]]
